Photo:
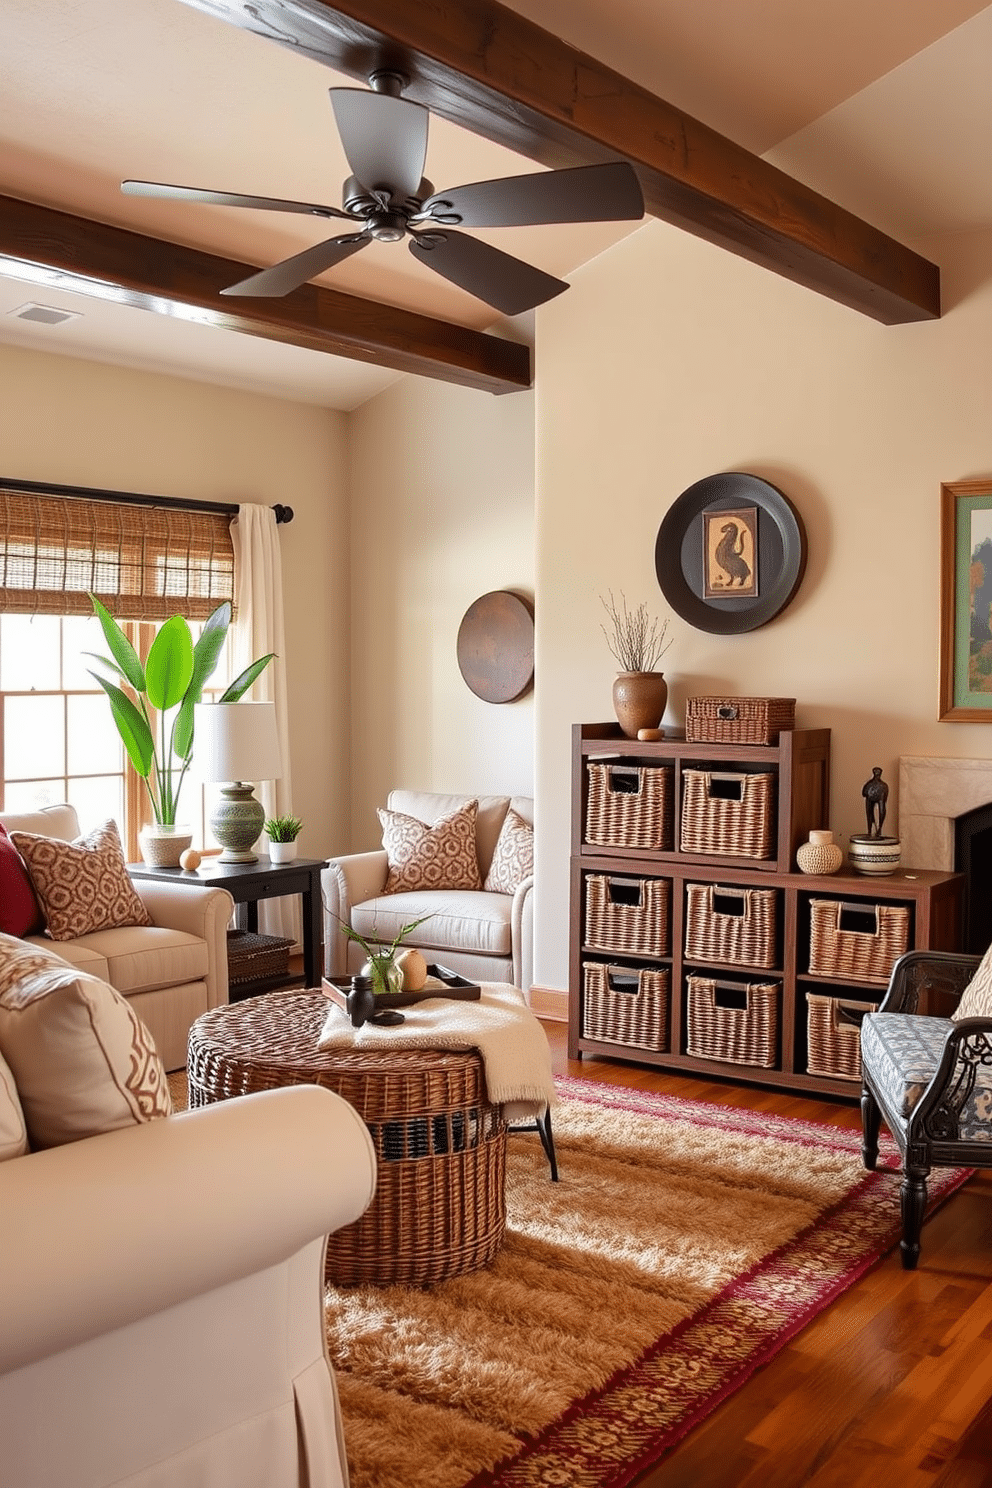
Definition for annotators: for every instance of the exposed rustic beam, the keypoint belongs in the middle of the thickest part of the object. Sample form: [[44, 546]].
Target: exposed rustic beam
[[131, 269], [499, 75]]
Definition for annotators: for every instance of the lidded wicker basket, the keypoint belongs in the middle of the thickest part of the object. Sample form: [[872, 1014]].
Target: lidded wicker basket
[[743, 720]]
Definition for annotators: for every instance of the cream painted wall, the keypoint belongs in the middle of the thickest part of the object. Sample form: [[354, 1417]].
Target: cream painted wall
[[74, 422], [442, 489], [669, 360]]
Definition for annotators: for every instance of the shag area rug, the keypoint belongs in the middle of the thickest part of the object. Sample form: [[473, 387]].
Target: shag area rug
[[684, 1246]]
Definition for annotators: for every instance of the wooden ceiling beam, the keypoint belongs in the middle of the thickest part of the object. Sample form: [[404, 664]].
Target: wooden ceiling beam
[[496, 73], [129, 268]]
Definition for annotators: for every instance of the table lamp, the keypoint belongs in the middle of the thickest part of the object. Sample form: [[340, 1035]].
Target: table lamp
[[237, 743]]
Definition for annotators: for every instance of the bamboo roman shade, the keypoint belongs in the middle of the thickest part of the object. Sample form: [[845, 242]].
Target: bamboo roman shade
[[143, 562]]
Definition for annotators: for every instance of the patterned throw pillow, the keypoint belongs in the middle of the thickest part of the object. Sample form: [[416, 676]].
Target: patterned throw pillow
[[19, 911], [976, 999], [83, 885], [441, 856], [513, 857], [82, 1060]]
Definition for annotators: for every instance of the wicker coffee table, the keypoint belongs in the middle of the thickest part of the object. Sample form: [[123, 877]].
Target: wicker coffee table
[[439, 1208]]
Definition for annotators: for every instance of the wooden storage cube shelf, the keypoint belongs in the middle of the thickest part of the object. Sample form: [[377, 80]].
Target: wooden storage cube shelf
[[628, 915], [833, 1035], [811, 1054], [728, 813], [735, 1022], [629, 805], [858, 942], [732, 923], [626, 1005]]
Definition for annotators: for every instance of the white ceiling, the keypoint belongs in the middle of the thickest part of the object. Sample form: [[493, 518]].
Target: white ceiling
[[883, 105]]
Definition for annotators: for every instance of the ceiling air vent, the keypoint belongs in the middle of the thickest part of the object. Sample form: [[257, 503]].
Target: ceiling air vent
[[45, 314]]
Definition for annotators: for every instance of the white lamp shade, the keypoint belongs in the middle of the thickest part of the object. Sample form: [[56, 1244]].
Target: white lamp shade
[[236, 741]]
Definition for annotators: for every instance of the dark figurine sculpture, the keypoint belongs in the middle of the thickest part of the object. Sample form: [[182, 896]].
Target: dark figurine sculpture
[[876, 793]]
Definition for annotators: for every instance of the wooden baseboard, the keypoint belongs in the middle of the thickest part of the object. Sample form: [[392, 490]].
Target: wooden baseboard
[[550, 1003]]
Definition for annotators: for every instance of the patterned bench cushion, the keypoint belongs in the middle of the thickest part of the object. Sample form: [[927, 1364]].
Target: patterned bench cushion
[[903, 1050]]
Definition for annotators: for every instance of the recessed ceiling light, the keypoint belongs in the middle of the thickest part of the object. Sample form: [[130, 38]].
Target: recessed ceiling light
[[44, 314]]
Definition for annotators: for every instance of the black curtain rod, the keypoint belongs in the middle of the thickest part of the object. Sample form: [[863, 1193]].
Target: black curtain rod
[[131, 498]]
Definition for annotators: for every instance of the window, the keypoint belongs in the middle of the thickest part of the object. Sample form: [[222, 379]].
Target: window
[[58, 741]]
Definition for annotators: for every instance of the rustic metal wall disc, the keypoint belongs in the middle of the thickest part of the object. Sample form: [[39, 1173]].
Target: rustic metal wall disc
[[496, 646]]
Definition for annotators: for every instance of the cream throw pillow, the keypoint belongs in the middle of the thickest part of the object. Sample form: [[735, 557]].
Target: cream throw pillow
[[441, 856], [13, 1132], [976, 999], [513, 856], [82, 1060], [83, 885]]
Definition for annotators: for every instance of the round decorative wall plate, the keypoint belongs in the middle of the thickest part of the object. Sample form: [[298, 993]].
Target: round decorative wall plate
[[496, 646], [730, 553]]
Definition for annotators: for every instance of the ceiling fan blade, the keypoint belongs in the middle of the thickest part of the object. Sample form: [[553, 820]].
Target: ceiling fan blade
[[506, 283], [589, 193], [384, 138], [288, 275], [228, 199]]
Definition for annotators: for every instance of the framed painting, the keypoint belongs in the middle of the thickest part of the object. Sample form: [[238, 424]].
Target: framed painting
[[966, 602]]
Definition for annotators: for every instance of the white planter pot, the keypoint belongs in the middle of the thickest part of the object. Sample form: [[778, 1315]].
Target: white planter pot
[[282, 852], [162, 847]]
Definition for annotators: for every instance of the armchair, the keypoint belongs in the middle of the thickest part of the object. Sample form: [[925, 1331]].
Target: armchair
[[166, 1323], [929, 1077], [483, 935]]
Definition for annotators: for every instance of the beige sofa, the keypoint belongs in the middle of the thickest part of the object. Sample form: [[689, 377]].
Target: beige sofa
[[161, 1324], [170, 971], [487, 937]]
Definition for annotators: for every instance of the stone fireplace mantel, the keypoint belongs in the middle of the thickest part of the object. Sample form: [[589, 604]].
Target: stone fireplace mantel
[[932, 793]]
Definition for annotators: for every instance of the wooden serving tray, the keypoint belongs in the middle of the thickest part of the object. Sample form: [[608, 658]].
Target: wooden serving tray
[[336, 989]]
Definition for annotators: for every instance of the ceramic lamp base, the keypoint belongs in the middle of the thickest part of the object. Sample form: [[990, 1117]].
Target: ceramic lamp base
[[237, 823]]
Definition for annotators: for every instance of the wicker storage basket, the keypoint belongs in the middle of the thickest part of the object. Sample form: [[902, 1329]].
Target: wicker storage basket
[[732, 924], [733, 1021], [250, 956], [439, 1208], [727, 813], [626, 1005], [856, 942], [629, 916], [710, 720], [629, 805], [833, 1035]]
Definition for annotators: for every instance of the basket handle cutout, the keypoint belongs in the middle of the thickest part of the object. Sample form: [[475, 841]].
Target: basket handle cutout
[[726, 787], [623, 981], [727, 712], [730, 995], [626, 891], [850, 1014], [735, 902], [623, 782], [859, 919]]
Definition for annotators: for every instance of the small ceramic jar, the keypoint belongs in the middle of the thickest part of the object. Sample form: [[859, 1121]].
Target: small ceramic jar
[[820, 854], [875, 856]]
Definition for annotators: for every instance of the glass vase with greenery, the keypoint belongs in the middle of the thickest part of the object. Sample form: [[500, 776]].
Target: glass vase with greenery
[[157, 728]]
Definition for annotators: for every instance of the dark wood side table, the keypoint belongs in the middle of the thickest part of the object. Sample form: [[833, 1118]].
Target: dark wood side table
[[247, 883]]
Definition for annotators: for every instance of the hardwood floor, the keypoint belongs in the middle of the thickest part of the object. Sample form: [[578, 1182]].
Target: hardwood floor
[[892, 1384]]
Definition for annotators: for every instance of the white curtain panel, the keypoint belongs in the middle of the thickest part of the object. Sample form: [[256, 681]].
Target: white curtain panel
[[258, 628]]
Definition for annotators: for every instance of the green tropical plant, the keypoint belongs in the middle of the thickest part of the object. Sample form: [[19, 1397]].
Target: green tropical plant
[[283, 828], [170, 682]]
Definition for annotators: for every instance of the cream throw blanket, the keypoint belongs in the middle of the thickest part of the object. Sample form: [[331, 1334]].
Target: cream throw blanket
[[500, 1025]]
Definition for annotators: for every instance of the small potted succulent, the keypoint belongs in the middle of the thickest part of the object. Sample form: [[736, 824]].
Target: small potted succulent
[[282, 832]]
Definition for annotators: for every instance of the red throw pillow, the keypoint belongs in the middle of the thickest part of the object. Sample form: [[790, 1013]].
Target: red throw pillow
[[19, 911]]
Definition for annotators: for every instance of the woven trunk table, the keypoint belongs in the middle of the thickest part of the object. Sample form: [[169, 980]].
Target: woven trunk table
[[439, 1208]]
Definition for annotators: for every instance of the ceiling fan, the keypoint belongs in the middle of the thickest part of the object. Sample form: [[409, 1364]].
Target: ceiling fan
[[385, 143]]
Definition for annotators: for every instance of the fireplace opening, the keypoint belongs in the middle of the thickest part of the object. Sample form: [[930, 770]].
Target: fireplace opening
[[973, 858]]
